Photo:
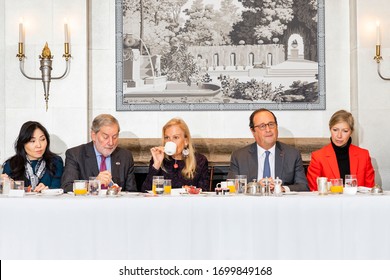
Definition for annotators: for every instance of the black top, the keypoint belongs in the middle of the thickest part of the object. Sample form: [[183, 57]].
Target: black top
[[200, 180], [342, 155]]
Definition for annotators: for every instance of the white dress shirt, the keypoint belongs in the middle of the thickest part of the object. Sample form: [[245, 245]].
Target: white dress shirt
[[260, 161]]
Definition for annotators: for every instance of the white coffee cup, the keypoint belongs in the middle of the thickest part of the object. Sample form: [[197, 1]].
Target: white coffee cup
[[170, 148], [222, 185]]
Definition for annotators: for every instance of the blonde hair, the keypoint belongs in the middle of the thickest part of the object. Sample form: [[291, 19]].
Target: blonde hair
[[341, 116], [190, 161]]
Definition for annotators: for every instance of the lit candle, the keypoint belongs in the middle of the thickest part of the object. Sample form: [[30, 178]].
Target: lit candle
[[66, 31], [21, 31], [378, 33]]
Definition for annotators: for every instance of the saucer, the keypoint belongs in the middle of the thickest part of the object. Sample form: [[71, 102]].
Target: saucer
[[289, 193], [30, 193]]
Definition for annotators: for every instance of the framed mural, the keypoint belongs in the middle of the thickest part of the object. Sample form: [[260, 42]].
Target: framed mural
[[195, 55]]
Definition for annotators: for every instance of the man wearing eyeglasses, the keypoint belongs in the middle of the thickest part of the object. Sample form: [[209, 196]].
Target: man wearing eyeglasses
[[268, 158]]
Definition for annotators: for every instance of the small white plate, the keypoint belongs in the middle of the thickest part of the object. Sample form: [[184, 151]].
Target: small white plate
[[30, 193], [195, 194], [130, 193], [113, 195], [362, 189], [289, 193], [49, 192]]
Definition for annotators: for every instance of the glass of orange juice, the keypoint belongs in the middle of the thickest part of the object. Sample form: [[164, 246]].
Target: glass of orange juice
[[231, 186], [336, 185], [167, 186], [80, 187], [158, 185]]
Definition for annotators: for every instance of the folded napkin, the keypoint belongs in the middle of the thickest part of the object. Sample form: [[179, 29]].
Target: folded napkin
[[178, 191]]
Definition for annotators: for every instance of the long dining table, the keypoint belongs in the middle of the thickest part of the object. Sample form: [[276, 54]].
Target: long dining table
[[299, 226]]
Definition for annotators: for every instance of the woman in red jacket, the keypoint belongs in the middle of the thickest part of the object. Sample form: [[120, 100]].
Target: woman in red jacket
[[340, 157]]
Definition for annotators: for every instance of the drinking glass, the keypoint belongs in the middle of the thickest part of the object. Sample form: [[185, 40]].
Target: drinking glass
[[167, 186], [80, 187], [322, 185], [336, 185], [351, 181], [231, 186], [93, 186], [158, 185], [240, 182], [1, 185], [18, 185], [5, 185]]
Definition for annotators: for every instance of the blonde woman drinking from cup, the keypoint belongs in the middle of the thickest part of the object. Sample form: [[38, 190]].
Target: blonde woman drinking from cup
[[340, 157], [176, 159]]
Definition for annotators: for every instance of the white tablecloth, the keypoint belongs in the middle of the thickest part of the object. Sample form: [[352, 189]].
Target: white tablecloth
[[299, 227]]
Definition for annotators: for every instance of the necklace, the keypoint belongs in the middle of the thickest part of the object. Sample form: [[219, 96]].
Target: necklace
[[175, 165]]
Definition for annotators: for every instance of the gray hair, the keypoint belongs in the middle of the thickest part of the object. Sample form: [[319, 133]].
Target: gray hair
[[104, 120]]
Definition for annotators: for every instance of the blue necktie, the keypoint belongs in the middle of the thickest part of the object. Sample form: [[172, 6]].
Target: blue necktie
[[267, 169]]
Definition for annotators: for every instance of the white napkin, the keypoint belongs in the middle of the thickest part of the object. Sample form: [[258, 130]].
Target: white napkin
[[178, 191]]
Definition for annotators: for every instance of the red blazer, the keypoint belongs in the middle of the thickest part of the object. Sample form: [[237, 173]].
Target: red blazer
[[323, 163]]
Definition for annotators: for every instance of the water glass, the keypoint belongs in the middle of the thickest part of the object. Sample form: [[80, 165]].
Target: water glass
[[158, 184], [18, 185], [167, 186], [93, 186], [80, 187], [240, 182], [322, 185], [1, 185], [351, 181], [5, 185]]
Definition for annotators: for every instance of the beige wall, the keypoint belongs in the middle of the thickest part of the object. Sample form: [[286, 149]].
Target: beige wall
[[351, 80]]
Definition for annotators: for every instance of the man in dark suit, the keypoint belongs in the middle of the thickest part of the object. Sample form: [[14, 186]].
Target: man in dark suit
[[100, 158], [268, 157]]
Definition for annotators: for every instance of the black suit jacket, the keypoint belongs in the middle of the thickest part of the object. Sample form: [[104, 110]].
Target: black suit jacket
[[81, 163], [288, 165]]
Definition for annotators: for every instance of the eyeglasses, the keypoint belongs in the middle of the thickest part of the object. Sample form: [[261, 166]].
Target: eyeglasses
[[263, 126]]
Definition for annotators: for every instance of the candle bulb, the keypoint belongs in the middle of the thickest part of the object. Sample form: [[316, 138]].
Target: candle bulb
[[378, 34], [66, 33], [21, 32]]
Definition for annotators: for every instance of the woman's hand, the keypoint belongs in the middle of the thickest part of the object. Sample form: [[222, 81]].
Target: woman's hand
[[158, 156], [40, 187]]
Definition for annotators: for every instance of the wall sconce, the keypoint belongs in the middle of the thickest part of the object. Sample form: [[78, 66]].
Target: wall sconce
[[45, 61], [378, 56]]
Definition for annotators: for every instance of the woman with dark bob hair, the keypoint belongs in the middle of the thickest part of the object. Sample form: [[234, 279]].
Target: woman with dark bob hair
[[33, 162]]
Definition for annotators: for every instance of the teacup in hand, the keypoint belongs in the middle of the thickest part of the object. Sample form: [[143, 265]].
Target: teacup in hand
[[170, 148]]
